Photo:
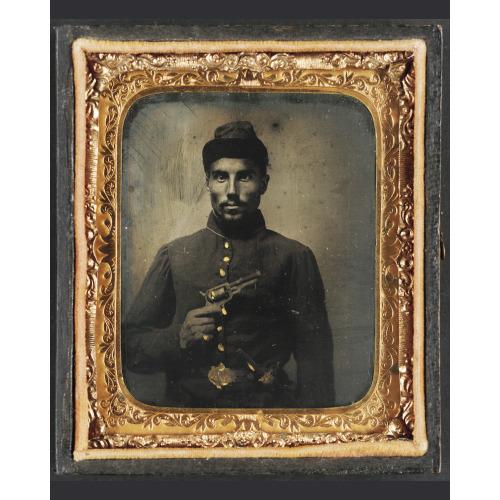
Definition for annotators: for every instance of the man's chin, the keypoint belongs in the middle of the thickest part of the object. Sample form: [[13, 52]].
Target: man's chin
[[230, 217]]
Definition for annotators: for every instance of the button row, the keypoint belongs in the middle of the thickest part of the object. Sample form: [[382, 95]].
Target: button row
[[223, 273]]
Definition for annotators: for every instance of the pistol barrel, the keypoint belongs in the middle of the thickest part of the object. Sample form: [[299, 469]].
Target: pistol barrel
[[223, 293]]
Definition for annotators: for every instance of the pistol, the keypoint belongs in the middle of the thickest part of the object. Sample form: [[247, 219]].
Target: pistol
[[222, 294]]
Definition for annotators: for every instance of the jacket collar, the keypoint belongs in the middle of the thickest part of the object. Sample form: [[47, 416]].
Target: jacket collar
[[253, 223]]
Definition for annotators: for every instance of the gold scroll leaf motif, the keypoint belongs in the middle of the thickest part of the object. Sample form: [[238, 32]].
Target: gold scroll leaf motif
[[406, 252], [221, 376], [107, 66], [387, 83], [254, 439], [247, 61]]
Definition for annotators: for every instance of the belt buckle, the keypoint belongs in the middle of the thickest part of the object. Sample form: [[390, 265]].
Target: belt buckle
[[221, 376]]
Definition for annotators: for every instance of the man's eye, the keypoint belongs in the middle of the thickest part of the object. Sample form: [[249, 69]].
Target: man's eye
[[245, 177], [220, 177]]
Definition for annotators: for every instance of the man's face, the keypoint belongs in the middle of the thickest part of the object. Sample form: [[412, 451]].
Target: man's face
[[235, 186]]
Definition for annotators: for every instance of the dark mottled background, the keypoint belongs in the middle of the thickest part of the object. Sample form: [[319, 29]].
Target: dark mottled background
[[321, 193]]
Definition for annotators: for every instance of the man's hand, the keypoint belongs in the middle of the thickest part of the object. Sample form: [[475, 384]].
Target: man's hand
[[199, 324]]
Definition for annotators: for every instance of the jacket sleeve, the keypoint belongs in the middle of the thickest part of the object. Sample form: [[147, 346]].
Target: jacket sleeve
[[313, 338], [149, 338]]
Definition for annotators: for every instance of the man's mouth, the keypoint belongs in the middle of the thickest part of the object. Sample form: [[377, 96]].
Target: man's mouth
[[231, 206]]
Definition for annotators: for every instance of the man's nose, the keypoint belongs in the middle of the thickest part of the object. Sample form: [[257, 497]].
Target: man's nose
[[232, 187]]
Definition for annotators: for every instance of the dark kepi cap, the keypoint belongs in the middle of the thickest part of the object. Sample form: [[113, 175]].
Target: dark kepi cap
[[235, 140]]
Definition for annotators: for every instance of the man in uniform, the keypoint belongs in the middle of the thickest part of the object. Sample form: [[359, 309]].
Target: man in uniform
[[232, 353]]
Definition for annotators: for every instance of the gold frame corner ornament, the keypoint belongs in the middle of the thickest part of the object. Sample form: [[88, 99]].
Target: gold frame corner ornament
[[389, 78]]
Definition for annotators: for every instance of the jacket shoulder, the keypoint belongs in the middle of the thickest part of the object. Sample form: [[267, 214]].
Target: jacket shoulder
[[189, 248], [287, 245], [186, 241]]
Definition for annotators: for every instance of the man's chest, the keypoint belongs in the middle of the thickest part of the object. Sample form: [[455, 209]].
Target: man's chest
[[212, 261]]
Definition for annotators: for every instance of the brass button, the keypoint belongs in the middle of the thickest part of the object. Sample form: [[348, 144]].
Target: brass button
[[226, 259], [222, 272], [226, 245], [219, 328], [220, 347], [223, 310]]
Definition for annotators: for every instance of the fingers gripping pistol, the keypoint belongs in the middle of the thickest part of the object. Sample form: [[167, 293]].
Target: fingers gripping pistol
[[224, 293]]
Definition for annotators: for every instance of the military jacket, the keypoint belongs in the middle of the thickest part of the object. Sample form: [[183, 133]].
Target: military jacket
[[280, 315]]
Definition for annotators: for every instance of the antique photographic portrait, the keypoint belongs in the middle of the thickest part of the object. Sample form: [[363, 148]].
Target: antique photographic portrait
[[277, 188], [249, 249]]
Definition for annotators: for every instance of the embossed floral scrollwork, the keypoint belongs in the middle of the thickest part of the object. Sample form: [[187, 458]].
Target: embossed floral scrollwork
[[394, 430], [244, 61], [405, 256], [385, 80]]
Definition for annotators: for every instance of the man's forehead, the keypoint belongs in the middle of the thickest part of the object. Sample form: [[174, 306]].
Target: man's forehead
[[234, 164]]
